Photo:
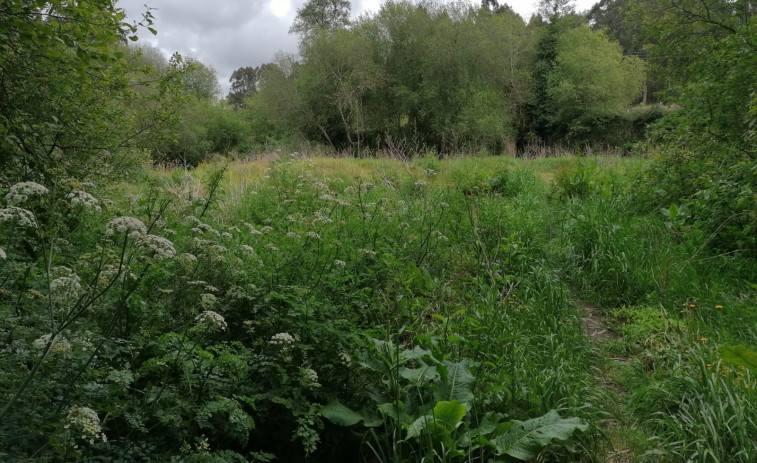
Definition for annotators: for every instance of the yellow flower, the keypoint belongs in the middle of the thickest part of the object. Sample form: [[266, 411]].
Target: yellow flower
[[719, 307], [709, 366], [692, 306], [703, 339]]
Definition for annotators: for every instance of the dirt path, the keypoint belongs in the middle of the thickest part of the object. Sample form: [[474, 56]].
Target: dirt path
[[596, 327]]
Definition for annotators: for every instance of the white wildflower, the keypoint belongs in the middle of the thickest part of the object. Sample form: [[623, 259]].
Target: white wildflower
[[193, 219], [310, 374], [327, 197], [368, 252], [83, 200], [161, 248], [19, 216], [208, 301], [248, 250], [211, 318], [218, 248], [235, 229], [266, 229], [271, 247], [85, 421], [227, 235], [313, 235], [443, 205], [293, 235], [59, 343], [186, 259], [64, 290], [22, 192], [346, 359], [131, 226], [420, 183], [3, 256], [169, 231], [281, 339], [340, 263]]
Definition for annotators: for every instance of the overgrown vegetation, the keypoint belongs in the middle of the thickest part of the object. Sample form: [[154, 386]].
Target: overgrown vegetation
[[305, 308]]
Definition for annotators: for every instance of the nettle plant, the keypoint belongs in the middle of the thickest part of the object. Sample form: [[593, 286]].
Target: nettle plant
[[424, 408]]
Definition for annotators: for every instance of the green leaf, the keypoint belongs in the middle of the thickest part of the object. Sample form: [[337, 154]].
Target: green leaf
[[526, 439], [417, 426], [420, 375], [339, 414], [449, 414], [457, 382], [740, 355]]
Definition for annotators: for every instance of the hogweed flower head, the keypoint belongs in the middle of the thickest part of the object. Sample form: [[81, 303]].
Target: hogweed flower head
[[64, 290], [85, 421], [59, 344], [310, 375], [83, 200], [19, 216], [132, 226], [208, 301], [213, 319], [281, 339], [160, 248], [22, 192]]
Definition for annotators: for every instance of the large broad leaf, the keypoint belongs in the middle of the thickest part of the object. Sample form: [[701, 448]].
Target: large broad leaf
[[443, 420], [419, 376], [526, 439], [449, 414], [339, 414], [740, 355], [457, 383], [417, 426]]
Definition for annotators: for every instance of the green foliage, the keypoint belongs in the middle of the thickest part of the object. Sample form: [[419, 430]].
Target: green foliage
[[69, 91]]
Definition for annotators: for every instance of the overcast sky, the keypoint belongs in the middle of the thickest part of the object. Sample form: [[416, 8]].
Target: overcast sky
[[229, 34]]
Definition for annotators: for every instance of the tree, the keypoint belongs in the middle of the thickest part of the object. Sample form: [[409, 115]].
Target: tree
[[552, 9], [591, 80], [65, 92], [321, 14], [244, 81], [200, 81]]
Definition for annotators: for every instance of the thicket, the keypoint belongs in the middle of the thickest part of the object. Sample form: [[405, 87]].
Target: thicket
[[450, 78]]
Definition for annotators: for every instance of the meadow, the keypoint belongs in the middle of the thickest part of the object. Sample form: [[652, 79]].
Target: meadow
[[470, 309]]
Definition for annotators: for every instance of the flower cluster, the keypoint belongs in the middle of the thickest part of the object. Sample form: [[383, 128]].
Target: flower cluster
[[310, 375], [59, 343], [208, 301], [161, 248], [129, 225], [213, 319], [19, 216], [64, 290], [3, 256], [83, 200], [21, 192], [281, 339], [84, 420]]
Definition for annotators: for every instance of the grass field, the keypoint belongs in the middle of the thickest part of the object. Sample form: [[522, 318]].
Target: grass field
[[460, 310]]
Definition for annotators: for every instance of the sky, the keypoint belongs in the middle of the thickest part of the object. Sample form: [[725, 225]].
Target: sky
[[229, 34]]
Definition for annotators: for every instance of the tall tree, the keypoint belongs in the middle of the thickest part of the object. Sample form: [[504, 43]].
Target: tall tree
[[552, 9], [244, 81], [321, 14]]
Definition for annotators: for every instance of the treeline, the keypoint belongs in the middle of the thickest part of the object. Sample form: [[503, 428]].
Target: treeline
[[446, 77]]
